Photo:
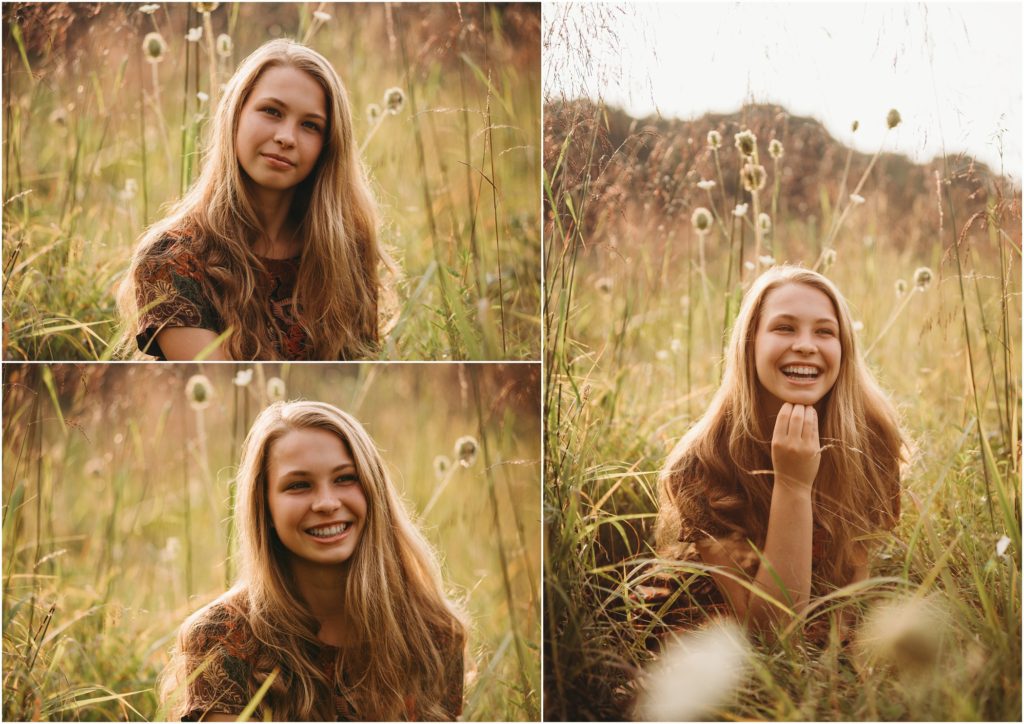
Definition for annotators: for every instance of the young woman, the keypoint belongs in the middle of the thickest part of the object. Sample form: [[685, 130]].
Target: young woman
[[272, 254], [795, 468], [339, 596]]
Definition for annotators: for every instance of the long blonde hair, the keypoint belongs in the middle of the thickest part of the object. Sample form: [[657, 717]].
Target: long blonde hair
[[723, 463], [403, 624], [338, 286]]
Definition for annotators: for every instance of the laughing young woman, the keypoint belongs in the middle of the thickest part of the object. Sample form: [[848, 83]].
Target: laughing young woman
[[272, 254]]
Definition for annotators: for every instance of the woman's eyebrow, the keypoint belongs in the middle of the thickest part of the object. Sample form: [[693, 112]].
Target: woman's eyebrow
[[337, 469], [787, 316], [281, 103]]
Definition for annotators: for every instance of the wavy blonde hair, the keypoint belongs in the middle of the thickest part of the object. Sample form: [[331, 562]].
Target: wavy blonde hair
[[338, 286], [394, 594], [723, 463]]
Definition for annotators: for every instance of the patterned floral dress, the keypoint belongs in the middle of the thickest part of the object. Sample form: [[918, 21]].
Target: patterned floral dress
[[222, 643], [169, 293]]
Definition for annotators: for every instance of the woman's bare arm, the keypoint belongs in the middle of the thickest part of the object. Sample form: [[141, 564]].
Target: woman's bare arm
[[185, 343], [785, 572]]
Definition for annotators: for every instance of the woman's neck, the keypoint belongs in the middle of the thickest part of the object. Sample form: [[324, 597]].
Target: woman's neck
[[323, 590], [272, 208]]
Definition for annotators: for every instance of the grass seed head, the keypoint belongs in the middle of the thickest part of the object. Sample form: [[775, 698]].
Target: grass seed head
[[276, 389], [705, 185], [775, 149], [923, 278], [202, 97], [754, 177], [465, 450], [828, 258], [243, 378], [194, 34], [149, 8], [695, 674], [856, 199], [604, 286], [373, 113], [893, 119], [441, 466], [198, 392], [154, 47], [740, 210], [746, 142], [906, 635], [764, 222], [714, 140], [224, 45], [322, 16], [854, 126], [394, 100], [205, 8], [701, 220], [901, 287]]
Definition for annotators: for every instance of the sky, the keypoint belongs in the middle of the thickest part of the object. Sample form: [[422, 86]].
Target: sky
[[953, 70]]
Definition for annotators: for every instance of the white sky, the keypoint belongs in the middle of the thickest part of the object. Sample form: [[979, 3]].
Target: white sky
[[952, 69]]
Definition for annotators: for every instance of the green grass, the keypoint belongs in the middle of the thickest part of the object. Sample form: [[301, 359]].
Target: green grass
[[117, 515], [635, 326], [98, 141]]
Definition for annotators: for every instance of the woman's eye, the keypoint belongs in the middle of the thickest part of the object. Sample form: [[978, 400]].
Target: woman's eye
[[270, 110], [784, 328], [826, 332], [297, 485], [346, 480], [312, 126]]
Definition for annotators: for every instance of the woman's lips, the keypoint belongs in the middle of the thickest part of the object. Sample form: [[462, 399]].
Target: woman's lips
[[277, 162]]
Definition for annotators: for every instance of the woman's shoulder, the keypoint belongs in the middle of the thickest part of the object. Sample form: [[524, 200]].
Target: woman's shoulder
[[177, 242], [224, 621]]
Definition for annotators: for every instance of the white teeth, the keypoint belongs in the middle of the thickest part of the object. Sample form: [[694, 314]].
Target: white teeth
[[800, 370], [328, 531]]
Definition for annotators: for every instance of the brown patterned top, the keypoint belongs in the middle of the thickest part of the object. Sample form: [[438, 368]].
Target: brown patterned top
[[169, 293], [222, 640]]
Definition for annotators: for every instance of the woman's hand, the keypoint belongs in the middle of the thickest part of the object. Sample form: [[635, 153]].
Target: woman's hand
[[796, 448]]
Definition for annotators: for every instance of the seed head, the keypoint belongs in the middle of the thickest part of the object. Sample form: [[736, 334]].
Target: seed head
[[854, 126], [465, 451], [1001, 545], [441, 466], [714, 140], [906, 635], [205, 8], [321, 16], [754, 177], [856, 199], [746, 142], [243, 378], [740, 210], [394, 100], [893, 119], [828, 258], [775, 149], [194, 34], [766, 260], [198, 392], [705, 185], [202, 97], [922, 278], [901, 287], [224, 45], [604, 286], [701, 220], [154, 47], [764, 221], [275, 389], [149, 9], [373, 113]]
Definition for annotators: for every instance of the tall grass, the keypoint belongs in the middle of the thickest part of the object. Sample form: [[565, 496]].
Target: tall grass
[[636, 319], [98, 141], [116, 514]]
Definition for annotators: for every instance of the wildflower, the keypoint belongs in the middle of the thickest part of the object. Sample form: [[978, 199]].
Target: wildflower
[[746, 142], [906, 634], [205, 8], [224, 45], [922, 278], [198, 392], [394, 100], [373, 112], [893, 119], [441, 466], [775, 149], [604, 286], [828, 258], [194, 34], [321, 16], [149, 9], [749, 265], [243, 378], [705, 185], [764, 222], [701, 220], [275, 389], [754, 177], [465, 451], [695, 673], [854, 126], [202, 97], [766, 260], [154, 47], [740, 210], [714, 140], [856, 199], [901, 287]]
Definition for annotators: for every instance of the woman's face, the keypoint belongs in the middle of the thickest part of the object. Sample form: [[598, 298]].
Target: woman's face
[[316, 500], [281, 128], [796, 346]]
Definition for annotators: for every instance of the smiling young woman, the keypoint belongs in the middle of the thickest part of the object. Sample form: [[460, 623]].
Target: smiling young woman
[[339, 596], [273, 253]]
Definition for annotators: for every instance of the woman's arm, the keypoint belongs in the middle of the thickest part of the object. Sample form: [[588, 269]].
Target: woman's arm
[[785, 572], [185, 343]]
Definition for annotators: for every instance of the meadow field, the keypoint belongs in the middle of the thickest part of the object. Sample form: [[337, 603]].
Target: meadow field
[[117, 482], [102, 133], [641, 289]]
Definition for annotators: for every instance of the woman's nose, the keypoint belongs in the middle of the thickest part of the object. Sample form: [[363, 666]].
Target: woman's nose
[[325, 501], [284, 138], [804, 344]]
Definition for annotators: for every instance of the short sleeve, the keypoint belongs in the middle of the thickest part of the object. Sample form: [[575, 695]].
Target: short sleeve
[[169, 293], [221, 684]]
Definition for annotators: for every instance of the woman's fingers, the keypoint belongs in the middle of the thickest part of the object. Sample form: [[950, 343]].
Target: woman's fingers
[[810, 427], [782, 422], [796, 421]]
